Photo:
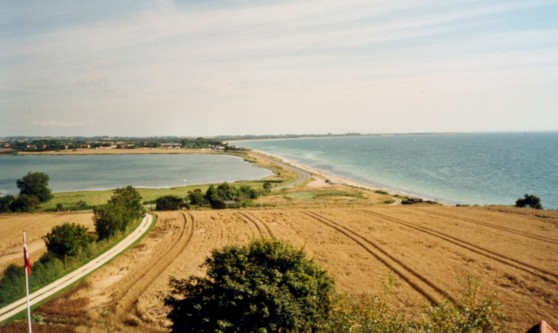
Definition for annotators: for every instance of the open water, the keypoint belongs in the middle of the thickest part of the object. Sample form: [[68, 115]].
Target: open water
[[451, 168], [99, 172]]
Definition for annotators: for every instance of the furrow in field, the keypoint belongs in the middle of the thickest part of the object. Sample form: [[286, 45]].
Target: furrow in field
[[124, 303], [249, 220], [489, 225], [257, 222], [509, 261], [418, 282], [540, 216]]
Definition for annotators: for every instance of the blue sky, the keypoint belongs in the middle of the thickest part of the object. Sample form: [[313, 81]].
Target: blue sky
[[143, 68]]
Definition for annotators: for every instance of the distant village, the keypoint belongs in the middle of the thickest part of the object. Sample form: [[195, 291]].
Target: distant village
[[15, 144]]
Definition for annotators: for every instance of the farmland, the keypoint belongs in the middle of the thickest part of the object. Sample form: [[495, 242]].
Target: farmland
[[427, 251]]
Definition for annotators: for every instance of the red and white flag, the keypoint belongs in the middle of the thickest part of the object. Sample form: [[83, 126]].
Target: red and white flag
[[26, 261]]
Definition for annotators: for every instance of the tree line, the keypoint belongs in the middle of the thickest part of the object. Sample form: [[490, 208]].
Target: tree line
[[217, 197], [55, 144]]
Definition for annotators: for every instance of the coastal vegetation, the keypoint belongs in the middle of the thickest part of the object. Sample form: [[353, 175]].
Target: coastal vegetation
[[170, 202], [123, 208], [222, 196], [33, 191], [529, 200]]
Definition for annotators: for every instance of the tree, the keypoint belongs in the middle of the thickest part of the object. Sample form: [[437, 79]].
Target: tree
[[212, 196], [121, 209], [108, 220], [196, 197], [130, 199], [68, 239], [529, 200], [6, 203], [266, 286], [24, 203], [170, 202], [36, 184]]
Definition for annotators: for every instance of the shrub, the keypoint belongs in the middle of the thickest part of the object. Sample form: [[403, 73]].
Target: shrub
[[24, 203], [68, 239], [122, 208], [170, 202], [196, 197], [366, 313], [529, 200], [6, 203], [266, 286]]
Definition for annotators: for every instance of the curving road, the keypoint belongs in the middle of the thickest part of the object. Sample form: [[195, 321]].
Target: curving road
[[51, 289], [302, 175]]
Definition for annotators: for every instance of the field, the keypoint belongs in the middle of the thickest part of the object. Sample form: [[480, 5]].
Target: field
[[35, 226], [427, 250]]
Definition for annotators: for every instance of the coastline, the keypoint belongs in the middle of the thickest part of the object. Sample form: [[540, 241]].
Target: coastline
[[328, 177], [337, 179]]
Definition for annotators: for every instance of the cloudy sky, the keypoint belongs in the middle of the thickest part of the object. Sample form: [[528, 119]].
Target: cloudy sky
[[211, 67]]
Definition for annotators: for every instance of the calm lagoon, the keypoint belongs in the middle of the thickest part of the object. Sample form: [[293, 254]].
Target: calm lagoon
[[101, 172]]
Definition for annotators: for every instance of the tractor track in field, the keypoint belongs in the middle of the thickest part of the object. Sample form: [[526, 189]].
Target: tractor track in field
[[125, 306], [258, 223], [537, 217], [509, 261], [489, 225], [418, 282]]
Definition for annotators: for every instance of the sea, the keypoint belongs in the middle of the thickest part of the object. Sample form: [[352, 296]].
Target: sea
[[101, 172], [467, 169]]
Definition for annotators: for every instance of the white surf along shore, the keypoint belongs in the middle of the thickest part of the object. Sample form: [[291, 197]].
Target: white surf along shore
[[336, 179]]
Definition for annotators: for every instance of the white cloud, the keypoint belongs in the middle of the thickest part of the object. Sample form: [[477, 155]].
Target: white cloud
[[249, 58]]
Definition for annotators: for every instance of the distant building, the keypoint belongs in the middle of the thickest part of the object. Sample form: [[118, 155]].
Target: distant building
[[171, 145]]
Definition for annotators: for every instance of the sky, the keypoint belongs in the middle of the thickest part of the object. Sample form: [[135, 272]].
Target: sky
[[213, 67]]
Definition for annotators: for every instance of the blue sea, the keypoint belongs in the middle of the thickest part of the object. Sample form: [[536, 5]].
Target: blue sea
[[484, 169], [100, 172]]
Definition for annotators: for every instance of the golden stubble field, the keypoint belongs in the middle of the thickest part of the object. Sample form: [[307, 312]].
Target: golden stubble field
[[36, 226], [428, 250]]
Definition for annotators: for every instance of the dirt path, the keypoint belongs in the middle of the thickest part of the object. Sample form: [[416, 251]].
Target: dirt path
[[53, 288]]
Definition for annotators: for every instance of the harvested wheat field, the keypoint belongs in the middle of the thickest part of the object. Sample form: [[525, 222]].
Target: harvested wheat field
[[35, 226], [428, 250]]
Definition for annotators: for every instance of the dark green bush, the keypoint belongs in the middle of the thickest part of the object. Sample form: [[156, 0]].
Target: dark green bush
[[266, 286], [529, 200], [170, 202]]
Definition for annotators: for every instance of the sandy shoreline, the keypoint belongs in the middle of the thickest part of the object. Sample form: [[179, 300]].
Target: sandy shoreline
[[336, 179]]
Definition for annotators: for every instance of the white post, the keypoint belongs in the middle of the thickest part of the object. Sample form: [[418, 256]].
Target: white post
[[26, 269]]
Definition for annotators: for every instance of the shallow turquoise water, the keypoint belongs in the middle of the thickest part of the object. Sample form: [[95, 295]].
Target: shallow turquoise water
[[97, 172], [451, 168]]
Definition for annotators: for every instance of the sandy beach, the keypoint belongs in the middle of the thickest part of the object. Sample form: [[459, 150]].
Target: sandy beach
[[328, 178]]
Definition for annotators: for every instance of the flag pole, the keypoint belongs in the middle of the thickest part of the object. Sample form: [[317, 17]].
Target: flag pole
[[26, 269]]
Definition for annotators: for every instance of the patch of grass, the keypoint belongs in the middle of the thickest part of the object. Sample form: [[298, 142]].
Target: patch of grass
[[317, 194], [72, 200]]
